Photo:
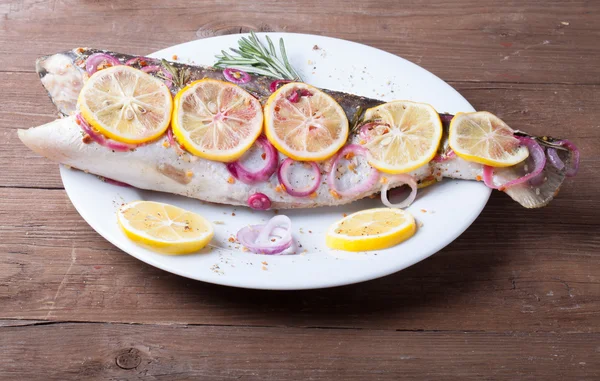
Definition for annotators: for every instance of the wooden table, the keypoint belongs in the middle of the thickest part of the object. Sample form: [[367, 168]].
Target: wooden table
[[516, 297]]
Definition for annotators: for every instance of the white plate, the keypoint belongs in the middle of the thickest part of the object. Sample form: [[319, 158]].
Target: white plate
[[450, 206]]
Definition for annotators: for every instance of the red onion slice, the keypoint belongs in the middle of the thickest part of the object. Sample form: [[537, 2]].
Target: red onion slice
[[275, 84], [356, 150], [403, 179], [294, 97], [536, 152], [365, 129], [240, 172], [100, 139], [272, 238], [236, 76], [574, 167], [154, 68], [97, 59], [554, 159], [285, 170], [259, 201]]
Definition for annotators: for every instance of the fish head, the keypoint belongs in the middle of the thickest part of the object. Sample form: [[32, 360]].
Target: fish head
[[62, 78]]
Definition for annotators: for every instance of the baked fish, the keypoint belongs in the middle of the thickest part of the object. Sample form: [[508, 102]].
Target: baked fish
[[162, 165]]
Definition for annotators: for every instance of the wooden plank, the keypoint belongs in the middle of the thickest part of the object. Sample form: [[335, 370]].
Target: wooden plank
[[467, 40], [134, 352], [557, 110], [513, 270]]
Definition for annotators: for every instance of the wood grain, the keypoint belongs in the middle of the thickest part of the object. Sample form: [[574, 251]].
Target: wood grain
[[133, 352], [467, 40], [516, 297], [517, 279]]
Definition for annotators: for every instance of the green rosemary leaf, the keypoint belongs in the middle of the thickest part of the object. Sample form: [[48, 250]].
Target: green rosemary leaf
[[254, 57]]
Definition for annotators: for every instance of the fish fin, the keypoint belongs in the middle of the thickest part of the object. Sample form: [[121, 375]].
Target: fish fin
[[536, 194]]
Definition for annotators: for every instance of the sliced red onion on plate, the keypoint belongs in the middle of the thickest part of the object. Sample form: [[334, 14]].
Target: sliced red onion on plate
[[236, 76], [574, 162], [278, 82], [272, 238], [555, 159], [308, 181], [253, 167], [399, 180], [536, 154], [100, 60], [259, 201], [352, 172], [100, 139]]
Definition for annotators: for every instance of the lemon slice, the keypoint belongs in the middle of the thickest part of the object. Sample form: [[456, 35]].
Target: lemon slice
[[163, 227], [405, 135], [371, 229], [484, 138], [305, 123], [216, 120], [126, 104]]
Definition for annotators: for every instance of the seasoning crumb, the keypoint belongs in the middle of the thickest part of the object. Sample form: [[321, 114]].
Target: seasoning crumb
[[313, 195], [345, 215], [231, 239], [265, 263], [264, 268], [233, 214], [310, 62], [276, 211], [564, 22], [87, 139], [166, 144], [174, 57], [231, 180], [310, 231], [420, 224], [244, 248], [423, 210], [219, 222], [316, 47]]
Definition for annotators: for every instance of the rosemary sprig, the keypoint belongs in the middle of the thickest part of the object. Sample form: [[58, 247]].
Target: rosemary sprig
[[253, 57], [180, 76]]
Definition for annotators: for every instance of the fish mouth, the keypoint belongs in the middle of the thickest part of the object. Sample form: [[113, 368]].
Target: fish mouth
[[62, 79]]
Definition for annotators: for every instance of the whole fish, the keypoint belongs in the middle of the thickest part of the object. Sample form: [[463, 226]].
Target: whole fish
[[162, 166]]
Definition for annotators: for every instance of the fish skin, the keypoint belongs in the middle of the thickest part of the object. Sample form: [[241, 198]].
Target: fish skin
[[63, 74], [55, 65], [156, 167]]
